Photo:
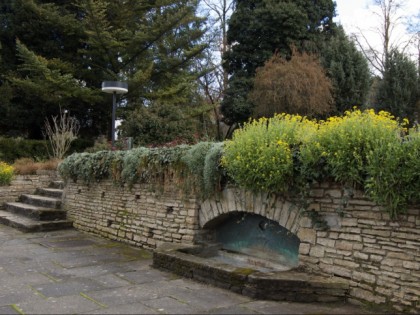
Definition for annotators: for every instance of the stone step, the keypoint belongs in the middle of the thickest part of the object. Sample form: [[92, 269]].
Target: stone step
[[29, 225], [41, 201], [58, 184], [34, 212], [50, 192]]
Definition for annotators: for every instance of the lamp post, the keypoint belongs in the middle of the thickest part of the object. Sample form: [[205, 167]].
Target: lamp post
[[114, 87]]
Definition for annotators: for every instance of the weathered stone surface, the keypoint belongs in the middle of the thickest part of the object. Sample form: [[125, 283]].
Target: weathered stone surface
[[307, 235]]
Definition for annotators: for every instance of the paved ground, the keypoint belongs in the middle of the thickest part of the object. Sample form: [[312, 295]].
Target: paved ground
[[69, 272]]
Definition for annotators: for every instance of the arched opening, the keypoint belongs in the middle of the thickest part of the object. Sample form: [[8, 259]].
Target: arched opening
[[252, 239]]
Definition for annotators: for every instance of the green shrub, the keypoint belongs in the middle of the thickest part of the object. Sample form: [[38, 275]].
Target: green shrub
[[260, 155], [6, 173], [394, 173], [203, 160], [346, 142], [197, 166], [16, 148]]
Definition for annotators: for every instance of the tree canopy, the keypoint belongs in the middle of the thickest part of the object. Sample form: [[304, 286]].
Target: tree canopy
[[399, 90], [271, 26], [348, 70], [56, 54]]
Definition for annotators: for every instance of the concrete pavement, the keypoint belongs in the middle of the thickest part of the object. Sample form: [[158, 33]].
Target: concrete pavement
[[70, 272]]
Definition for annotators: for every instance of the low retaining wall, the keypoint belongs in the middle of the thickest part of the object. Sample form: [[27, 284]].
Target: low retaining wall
[[26, 184], [138, 215], [379, 257]]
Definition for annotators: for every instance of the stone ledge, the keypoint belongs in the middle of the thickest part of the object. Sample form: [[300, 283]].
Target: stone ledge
[[276, 285]]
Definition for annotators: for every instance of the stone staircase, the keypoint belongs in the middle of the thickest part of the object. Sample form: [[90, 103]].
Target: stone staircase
[[38, 212]]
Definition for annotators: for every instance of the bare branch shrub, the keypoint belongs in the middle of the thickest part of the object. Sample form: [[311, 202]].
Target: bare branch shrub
[[295, 86], [61, 131]]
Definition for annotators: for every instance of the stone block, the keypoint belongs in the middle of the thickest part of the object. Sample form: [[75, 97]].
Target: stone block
[[411, 265], [307, 235], [304, 248], [317, 251], [335, 270], [360, 255], [305, 222], [383, 233], [392, 262], [363, 276], [346, 263], [344, 245], [316, 193], [346, 222], [367, 296], [333, 193], [350, 237], [326, 242]]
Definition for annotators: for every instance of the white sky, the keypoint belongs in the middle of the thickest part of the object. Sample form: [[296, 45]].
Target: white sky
[[357, 14]]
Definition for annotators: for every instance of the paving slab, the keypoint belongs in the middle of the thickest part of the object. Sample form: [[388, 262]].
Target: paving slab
[[70, 272]]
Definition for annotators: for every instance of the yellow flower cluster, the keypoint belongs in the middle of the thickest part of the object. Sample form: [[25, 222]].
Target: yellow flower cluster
[[6, 173], [260, 153]]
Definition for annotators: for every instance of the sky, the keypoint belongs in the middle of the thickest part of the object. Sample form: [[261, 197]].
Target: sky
[[357, 14]]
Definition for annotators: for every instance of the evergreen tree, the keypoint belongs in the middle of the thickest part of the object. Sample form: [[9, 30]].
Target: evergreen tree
[[398, 90], [40, 67], [66, 48], [271, 26], [348, 70]]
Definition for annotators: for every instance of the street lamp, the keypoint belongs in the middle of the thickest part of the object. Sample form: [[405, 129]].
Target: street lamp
[[114, 87]]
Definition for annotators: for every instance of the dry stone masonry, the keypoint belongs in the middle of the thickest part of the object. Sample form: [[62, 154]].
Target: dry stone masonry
[[377, 256], [26, 184]]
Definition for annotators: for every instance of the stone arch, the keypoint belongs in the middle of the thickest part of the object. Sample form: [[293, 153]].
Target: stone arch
[[268, 205]]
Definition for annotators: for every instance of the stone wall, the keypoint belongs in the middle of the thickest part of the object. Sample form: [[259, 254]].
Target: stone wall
[[26, 184], [140, 215], [379, 257]]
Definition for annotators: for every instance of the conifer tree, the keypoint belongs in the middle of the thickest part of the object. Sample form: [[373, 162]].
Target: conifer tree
[[61, 50], [398, 90], [348, 70]]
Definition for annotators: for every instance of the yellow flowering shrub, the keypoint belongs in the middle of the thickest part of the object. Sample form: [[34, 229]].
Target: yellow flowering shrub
[[373, 151], [394, 173], [260, 155], [346, 142], [6, 173]]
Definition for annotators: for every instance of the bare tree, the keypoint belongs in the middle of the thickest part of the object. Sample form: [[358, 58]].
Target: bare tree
[[295, 86], [214, 82], [61, 131], [388, 12], [413, 29], [222, 10]]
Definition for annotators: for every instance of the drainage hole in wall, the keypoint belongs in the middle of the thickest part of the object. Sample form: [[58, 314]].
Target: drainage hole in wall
[[169, 209], [79, 191], [103, 194], [150, 232], [138, 196], [109, 223]]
